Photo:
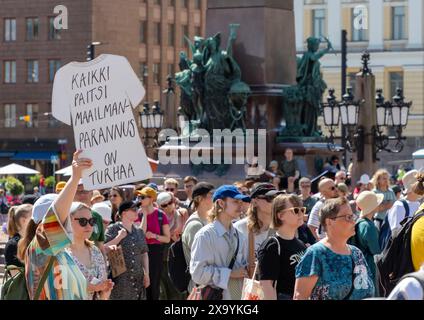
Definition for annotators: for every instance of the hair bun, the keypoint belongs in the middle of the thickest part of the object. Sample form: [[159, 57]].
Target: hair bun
[[420, 177]]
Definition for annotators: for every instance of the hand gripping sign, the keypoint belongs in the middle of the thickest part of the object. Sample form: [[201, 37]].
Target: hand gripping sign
[[97, 98]]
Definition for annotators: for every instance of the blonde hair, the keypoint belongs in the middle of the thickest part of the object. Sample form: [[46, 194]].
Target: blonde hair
[[418, 187], [14, 215], [253, 222], [377, 176], [171, 181], [215, 211], [280, 203]]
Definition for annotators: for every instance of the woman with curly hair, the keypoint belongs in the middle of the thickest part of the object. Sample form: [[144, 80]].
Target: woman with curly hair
[[381, 181]]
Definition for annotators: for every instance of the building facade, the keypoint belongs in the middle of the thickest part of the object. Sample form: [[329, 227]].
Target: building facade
[[393, 32], [150, 33]]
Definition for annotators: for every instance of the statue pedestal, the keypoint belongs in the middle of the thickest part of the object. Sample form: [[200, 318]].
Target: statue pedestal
[[265, 49]]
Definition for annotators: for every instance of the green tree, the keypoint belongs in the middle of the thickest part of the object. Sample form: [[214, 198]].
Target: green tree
[[14, 186], [50, 182], [35, 180]]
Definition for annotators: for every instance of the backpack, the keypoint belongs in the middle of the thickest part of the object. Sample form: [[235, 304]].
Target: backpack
[[396, 259], [178, 270], [4, 208], [386, 231], [15, 287]]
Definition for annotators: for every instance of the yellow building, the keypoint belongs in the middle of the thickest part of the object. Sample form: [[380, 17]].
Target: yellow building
[[393, 33]]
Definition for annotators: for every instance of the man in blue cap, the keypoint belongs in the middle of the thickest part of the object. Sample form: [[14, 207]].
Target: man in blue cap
[[219, 251]]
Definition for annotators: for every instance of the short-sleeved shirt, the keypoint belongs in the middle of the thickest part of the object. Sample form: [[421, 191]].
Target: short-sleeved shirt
[[280, 268], [314, 221], [98, 229], [11, 250], [153, 225], [389, 195], [259, 238], [397, 213], [335, 273], [289, 168], [65, 281]]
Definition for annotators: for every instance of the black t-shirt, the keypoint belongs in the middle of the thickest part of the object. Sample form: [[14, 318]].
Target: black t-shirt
[[280, 269], [11, 250]]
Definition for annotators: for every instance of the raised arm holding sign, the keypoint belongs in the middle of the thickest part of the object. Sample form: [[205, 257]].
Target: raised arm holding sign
[[97, 98]]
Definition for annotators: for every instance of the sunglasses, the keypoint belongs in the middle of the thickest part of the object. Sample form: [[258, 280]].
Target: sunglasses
[[142, 197], [83, 221], [163, 206], [297, 210], [170, 189], [347, 217]]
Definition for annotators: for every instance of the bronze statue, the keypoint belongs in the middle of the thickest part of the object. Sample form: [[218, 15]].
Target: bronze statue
[[301, 103]]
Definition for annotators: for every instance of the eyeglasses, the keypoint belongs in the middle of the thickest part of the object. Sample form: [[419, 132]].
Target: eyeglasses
[[83, 221], [347, 217], [113, 195], [170, 189], [163, 206], [297, 210]]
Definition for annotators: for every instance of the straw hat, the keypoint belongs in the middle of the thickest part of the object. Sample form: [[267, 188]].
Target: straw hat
[[97, 195], [367, 201]]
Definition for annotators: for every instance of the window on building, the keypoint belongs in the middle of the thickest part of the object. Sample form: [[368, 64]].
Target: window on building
[[32, 71], [143, 71], [171, 70], [197, 4], [318, 22], [52, 121], [32, 25], [10, 29], [156, 33], [32, 112], [143, 31], [156, 73], [184, 3], [54, 65], [396, 81], [398, 23], [185, 33], [358, 34], [157, 2], [9, 71], [171, 35], [54, 34], [198, 31], [171, 3], [10, 115]]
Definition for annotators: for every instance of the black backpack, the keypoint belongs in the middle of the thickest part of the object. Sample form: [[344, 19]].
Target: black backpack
[[396, 259], [178, 270], [4, 208]]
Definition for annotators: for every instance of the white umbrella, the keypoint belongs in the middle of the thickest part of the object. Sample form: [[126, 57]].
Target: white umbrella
[[17, 169], [67, 171]]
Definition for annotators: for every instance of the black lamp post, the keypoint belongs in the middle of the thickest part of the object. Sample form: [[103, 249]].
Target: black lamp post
[[392, 114], [151, 120]]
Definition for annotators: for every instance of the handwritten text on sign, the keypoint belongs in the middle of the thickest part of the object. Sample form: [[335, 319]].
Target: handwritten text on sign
[[105, 129]]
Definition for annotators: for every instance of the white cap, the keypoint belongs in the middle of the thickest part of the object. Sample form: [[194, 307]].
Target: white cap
[[409, 179], [163, 197], [365, 179], [42, 205], [104, 210]]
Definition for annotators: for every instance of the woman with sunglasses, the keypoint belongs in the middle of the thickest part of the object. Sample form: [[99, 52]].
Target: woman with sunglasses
[[116, 197], [132, 284], [331, 269], [156, 227], [86, 255], [279, 255]]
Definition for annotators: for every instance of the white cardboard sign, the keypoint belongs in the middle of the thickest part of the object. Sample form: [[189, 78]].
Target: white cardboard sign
[[97, 98]]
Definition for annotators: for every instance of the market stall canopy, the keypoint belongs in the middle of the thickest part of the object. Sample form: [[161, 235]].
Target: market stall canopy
[[16, 169]]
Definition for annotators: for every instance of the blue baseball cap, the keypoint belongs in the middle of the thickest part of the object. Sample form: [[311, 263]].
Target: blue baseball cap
[[228, 191]]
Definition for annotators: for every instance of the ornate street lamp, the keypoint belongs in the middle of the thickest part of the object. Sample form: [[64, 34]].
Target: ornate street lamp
[[151, 121]]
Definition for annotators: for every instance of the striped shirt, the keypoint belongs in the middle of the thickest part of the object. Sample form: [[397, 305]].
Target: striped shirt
[[65, 281], [313, 220]]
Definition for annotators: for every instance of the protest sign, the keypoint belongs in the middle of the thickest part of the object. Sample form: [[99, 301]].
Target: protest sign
[[117, 262], [97, 98]]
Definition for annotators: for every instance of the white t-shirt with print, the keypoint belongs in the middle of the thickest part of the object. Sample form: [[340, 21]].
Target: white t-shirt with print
[[241, 226]]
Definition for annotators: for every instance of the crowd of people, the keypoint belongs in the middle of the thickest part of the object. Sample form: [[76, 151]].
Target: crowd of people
[[117, 244]]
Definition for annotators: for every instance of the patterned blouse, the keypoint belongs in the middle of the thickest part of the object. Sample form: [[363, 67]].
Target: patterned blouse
[[65, 280], [96, 272], [129, 285]]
